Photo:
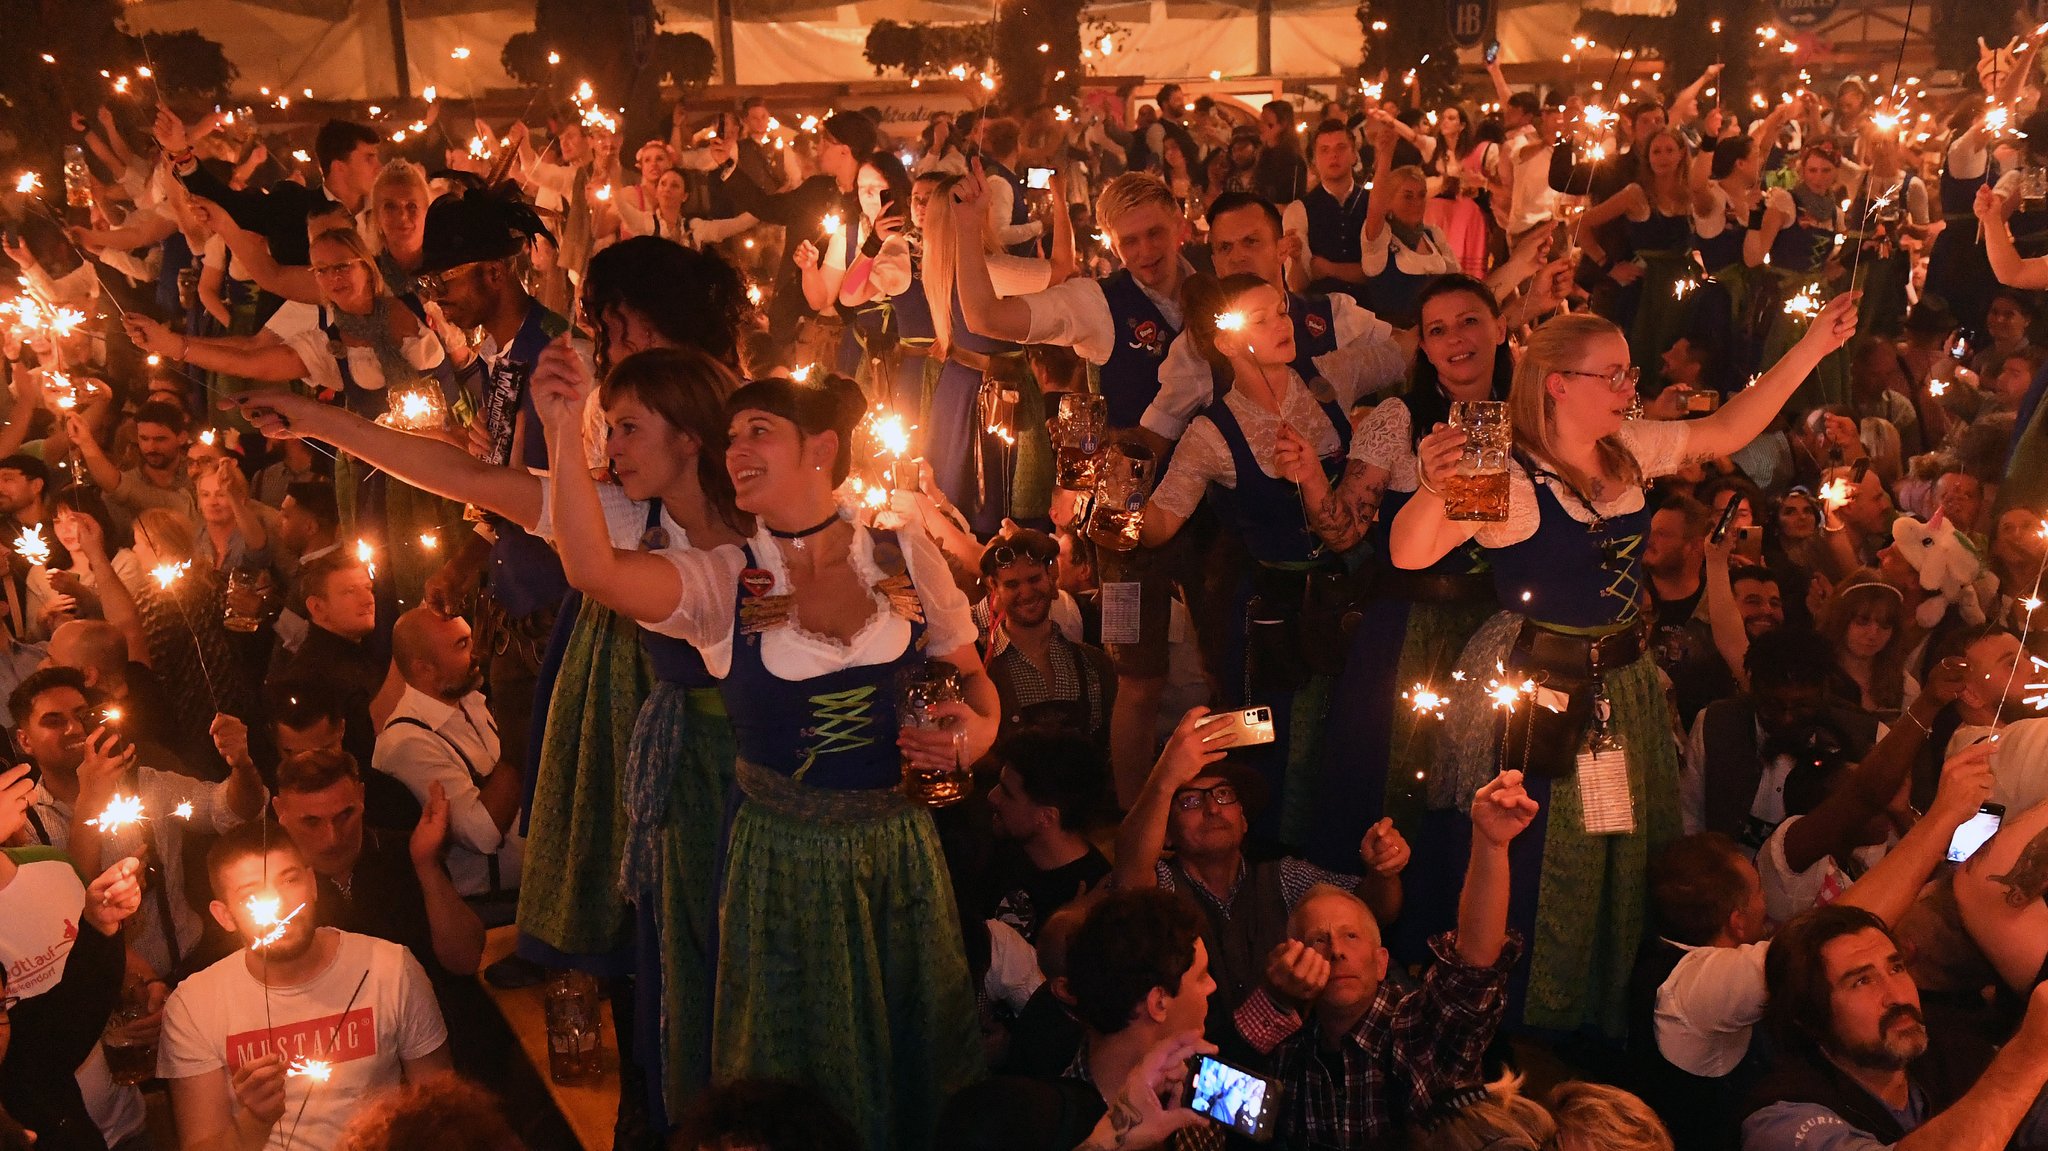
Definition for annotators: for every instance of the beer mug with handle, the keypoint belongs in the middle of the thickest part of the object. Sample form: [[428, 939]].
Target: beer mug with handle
[[1478, 491], [1123, 479]]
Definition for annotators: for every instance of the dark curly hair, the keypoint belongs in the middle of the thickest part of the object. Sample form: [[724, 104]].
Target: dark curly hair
[[1131, 942], [445, 1112], [770, 1114], [693, 298]]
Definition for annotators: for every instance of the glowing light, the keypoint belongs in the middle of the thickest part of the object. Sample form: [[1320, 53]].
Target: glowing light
[[1683, 288], [478, 149], [584, 91], [1714, 27], [263, 914], [1106, 45], [208, 437], [459, 54], [604, 193], [1426, 701], [830, 224], [315, 1069], [1936, 387], [1061, 113], [367, 556], [1505, 695], [120, 811], [183, 810], [300, 155], [155, 360], [554, 58], [1805, 303], [957, 72], [1834, 494], [1045, 47], [30, 545], [429, 540], [121, 85], [1996, 118], [802, 375], [2031, 603], [988, 82], [167, 574], [27, 182], [49, 59]]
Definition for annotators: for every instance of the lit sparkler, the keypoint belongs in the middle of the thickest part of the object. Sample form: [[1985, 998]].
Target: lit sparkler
[[315, 1069], [367, 556], [1426, 700], [802, 374], [429, 540], [183, 810], [263, 914], [28, 182], [831, 224], [121, 811], [1230, 322], [167, 574], [1804, 304], [31, 546], [1683, 288]]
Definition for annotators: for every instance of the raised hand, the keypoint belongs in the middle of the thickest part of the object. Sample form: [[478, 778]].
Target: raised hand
[[1296, 974], [430, 835], [114, 896], [1836, 324], [1384, 849], [1502, 809], [561, 384], [258, 1085]]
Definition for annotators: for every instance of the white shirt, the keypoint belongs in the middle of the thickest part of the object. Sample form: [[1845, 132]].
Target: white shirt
[[161, 792], [1708, 1006], [1788, 892], [422, 351], [458, 749], [1660, 448], [1013, 973], [1366, 355], [40, 913], [1075, 314], [1383, 442], [1434, 258], [371, 1010], [1002, 197], [1203, 455], [1533, 200], [704, 613]]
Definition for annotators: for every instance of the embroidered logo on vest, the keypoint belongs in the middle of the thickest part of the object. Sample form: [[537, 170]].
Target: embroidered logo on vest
[[1316, 325], [1147, 337]]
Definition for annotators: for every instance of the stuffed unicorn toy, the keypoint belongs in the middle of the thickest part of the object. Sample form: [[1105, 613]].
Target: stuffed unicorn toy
[[1950, 569]]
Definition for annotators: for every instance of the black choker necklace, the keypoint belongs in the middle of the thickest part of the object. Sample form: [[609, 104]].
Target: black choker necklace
[[796, 539]]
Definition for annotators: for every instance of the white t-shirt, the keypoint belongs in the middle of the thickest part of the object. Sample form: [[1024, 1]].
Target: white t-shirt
[[1708, 1006], [1788, 892], [39, 920], [2019, 766], [1533, 201], [222, 1017]]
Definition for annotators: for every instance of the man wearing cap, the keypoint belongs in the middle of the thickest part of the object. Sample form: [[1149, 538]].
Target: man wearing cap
[[470, 266], [845, 140], [1045, 678], [1123, 323], [1201, 804]]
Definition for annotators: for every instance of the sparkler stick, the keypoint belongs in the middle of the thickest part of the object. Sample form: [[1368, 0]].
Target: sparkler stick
[[2032, 602]]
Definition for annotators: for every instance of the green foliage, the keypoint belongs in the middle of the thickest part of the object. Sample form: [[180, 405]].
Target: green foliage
[[922, 50]]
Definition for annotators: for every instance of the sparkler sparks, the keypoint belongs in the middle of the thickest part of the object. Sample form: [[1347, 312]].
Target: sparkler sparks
[[1230, 322], [1805, 304], [1505, 695], [167, 574], [28, 182], [802, 374], [31, 546], [429, 540], [183, 810], [830, 224], [1834, 494], [120, 812], [315, 1069], [1683, 288], [367, 556], [1426, 701], [263, 914]]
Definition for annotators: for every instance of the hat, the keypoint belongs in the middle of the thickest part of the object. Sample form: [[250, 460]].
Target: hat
[[1252, 791], [1245, 132], [480, 224]]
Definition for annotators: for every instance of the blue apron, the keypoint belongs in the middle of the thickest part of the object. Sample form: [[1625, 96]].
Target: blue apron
[[1266, 511], [1576, 575]]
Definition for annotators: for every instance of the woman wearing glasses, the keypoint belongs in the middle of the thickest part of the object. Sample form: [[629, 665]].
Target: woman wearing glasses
[[1591, 730], [364, 344]]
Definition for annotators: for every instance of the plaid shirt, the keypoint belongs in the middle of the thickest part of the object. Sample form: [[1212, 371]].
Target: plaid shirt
[[1408, 1049]]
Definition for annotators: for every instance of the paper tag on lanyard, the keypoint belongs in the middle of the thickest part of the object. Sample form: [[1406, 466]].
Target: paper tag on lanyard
[[1120, 612], [1605, 806]]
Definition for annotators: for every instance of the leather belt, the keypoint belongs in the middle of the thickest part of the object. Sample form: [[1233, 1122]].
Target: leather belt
[[1581, 656], [976, 361]]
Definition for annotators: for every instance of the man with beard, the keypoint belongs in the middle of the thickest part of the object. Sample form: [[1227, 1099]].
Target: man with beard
[[441, 735], [284, 1040], [1859, 1067], [1044, 677], [158, 480]]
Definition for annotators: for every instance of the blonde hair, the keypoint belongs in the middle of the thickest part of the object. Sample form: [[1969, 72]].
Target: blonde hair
[[1555, 347], [1881, 439], [1406, 174], [359, 249], [1503, 1119], [942, 255], [1130, 192], [170, 536], [1594, 1115], [405, 174]]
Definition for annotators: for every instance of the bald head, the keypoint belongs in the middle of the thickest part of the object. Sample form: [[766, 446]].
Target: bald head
[[94, 647], [434, 654]]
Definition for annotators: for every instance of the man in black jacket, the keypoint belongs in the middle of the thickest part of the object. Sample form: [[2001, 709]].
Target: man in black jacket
[[349, 161], [1861, 1067]]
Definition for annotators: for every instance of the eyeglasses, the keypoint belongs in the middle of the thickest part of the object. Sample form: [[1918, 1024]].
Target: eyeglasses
[[1003, 555], [434, 285], [325, 271], [1621, 380], [1191, 798]]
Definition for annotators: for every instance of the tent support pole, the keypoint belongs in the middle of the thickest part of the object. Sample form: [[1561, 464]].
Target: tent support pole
[[1265, 37], [728, 68], [398, 61]]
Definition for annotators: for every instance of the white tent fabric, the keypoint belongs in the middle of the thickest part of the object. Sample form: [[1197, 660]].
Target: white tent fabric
[[350, 57]]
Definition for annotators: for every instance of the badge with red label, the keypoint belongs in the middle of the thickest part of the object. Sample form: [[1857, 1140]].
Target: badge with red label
[[1316, 325], [1145, 337], [757, 582]]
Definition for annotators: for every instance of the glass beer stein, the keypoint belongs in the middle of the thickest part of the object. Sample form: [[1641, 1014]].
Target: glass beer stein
[[1478, 491], [1077, 434], [1123, 478], [918, 694]]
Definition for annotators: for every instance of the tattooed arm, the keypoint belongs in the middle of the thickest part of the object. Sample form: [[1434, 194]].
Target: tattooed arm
[[1339, 515], [1999, 892]]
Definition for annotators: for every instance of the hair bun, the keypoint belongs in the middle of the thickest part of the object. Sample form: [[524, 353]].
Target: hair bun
[[845, 403]]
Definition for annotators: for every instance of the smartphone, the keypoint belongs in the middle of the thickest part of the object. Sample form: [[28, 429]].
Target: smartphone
[[1749, 541], [1253, 725], [1704, 400], [1727, 520], [1038, 179], [1975, 831], [1492, 51], [1246, 1103]]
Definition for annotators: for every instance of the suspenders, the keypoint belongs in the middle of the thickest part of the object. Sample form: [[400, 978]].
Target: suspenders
[[491, 860]]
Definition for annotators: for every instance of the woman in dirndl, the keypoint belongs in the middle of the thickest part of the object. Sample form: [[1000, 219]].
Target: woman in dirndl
[[1589, 723], [1662, 206], [840, 959]]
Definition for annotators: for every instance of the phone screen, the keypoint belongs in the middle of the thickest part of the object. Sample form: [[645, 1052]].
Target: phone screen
[[1974, 832], [1038, 179], [1492, 51], [1232, 1096]]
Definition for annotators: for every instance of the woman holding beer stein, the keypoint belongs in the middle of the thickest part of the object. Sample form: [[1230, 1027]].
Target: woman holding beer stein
[[841, 960], [1277, 640], [1565, 664]]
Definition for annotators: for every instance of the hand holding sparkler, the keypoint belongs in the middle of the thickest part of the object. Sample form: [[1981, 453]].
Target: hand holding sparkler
[[1992, 208], [169, 131], [561, 384], [1834, 324], [806, 256], [1965, 784], [114, 896], [258, 1085], [1296, 459], [154, 338]]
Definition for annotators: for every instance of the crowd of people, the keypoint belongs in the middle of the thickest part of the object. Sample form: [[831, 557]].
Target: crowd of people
[[1147, 625]]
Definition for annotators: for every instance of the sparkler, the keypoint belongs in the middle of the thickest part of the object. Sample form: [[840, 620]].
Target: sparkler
[[429, 540], [167, 574], [1683, 288], [315, 1069], [554, 57], [1230, 322], [28, 182], [31, 546], [183, 810], [1506, 694], [367, 556], [831, 224], [1804, 304], [413, 410], [1426, 700], [121, 811], [263, 913], [1936, 387], [802, 375], [1834, 494]]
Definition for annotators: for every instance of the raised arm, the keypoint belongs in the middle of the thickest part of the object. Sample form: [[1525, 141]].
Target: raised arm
[[1381, 198], [1749, 412], [254, 253], [1685, 107], [1501, 810], [272, 363], [1890, 887], [1142, 836], [1423, 532], [423, 461], [1724, 617], [454, 929], [986, 314], [1986, 1117]]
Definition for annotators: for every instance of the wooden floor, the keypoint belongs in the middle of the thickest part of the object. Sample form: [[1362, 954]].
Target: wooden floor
[[590, 1107]]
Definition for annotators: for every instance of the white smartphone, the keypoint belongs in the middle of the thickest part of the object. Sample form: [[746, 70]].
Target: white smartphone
[[1975, 832]]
